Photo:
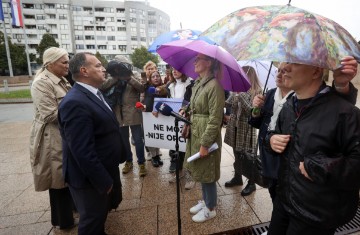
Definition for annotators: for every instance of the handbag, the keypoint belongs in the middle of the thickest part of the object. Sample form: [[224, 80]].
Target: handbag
[[252, 165]]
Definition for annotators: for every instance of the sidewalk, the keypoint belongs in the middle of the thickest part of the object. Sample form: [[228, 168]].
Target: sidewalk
[[148, 206]]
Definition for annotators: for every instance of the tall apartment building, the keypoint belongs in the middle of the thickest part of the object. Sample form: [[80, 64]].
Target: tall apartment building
[[109, 27]]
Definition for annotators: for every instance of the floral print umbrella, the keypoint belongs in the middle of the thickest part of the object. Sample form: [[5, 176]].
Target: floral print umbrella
[[283, 34]]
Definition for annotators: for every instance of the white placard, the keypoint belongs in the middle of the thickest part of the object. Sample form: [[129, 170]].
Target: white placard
[[159, 132]]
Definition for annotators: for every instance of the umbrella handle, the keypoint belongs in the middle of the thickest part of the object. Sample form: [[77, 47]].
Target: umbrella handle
[[267, 78]]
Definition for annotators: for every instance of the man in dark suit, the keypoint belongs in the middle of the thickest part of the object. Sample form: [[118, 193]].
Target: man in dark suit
[[92, 149]]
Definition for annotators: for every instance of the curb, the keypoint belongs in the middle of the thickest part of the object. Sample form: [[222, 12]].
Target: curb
[[16, 101]]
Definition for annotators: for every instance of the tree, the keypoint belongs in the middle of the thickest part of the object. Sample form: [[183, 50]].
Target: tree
[[46, 42], [141, 56], [101, 58], [17, 55]]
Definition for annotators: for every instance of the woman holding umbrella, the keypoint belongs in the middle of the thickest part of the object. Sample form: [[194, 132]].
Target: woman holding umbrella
[[206, 114]]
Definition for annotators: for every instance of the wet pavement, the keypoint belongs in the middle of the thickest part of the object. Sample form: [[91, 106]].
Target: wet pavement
[[149, 203]]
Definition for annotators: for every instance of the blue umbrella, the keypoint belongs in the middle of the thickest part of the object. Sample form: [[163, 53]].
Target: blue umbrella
[[177, 35]]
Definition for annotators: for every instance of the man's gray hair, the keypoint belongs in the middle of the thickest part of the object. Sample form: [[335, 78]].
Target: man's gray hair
[[78, 61]]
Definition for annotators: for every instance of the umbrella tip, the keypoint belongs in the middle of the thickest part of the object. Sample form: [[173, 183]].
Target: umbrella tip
[[289, 3]]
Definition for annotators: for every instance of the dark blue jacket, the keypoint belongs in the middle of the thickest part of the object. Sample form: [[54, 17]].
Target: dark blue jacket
[[92, 149]]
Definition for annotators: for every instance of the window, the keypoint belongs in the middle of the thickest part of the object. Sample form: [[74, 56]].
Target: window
[[102, 47], [79, 46], [20, 36], [98, 9], [133, 47], [64, 26], [121, 29], [89, 28], [62, 16], [49, 6], [76, 8], [90, 46], [40, 17], [78, 27], [133, 20], [29, 26], [32, 36], [111, 38], [89, 37], [133, 38], [121, 38], [62, 6], [112, 47], [99, 19], [64, 36], [29, 16], [110, 19], [111, 28], [122, 47], [54, 36], [133, 29], [66, 46], [79, 37], [132, 10], [120, 10], [52, 26], [100, 28], [41, 26], [143, 39], [51, 16]]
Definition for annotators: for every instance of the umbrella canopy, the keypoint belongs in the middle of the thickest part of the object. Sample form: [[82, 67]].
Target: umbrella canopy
[[262, 70], [181, 55], [283, 34], [177, 35]]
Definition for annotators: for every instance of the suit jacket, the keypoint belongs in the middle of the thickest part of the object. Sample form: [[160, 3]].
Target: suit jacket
[[92, 149]]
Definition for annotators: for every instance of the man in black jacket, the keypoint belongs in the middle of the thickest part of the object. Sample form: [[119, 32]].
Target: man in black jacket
[[317, 138]]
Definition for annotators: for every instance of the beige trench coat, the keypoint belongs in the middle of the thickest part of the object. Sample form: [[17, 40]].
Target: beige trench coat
[[47, 91]]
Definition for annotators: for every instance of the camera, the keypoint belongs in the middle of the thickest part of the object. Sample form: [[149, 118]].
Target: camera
[[119, 69]]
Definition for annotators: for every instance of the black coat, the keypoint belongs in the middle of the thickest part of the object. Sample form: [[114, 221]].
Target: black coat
[[326, 137], [270, 160]]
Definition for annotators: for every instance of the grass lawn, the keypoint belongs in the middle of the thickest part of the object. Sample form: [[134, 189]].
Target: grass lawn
[[16, 94]]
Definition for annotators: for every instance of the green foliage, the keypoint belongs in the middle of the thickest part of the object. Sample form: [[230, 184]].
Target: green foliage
[[141, 56], [16, 94], [46, 42], [17, 55], [102, 59]]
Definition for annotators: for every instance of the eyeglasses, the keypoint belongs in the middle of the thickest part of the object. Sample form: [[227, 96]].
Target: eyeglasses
[[199, 58]]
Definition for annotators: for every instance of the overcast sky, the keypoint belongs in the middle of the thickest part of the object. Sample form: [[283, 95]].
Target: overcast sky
[[201, 14]]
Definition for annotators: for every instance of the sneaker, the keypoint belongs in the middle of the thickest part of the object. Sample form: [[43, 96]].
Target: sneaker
[[204, 215], [264, 233], [155, 162], [189, 182], [142, 170], [198, 207], [127, 167], [173, 179]]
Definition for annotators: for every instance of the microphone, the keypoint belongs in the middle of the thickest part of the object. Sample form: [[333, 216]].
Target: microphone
[[139, 105], [151, 90], [166, 110]]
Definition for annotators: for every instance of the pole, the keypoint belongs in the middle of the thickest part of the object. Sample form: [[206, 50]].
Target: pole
[[26, 43], [7, 50], [176, 129]]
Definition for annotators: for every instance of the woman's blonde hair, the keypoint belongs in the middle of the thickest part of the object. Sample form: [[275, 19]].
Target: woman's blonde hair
[[149, 64], [51, 55], [254, 81]]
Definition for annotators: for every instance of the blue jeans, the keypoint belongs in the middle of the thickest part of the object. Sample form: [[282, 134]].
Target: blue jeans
[[209, 194], [137, 134]]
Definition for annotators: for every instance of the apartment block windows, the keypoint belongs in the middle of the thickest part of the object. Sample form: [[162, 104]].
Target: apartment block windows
[[120, 10], [102, 47], [62, 16], [79, 37], [64, 26], [111, 38], [40, 17], [90, 46], [89, 37], [79, 46], [133, 38], [51, 16], [121, 29], [64, 36], [89, 28], [122, 48]]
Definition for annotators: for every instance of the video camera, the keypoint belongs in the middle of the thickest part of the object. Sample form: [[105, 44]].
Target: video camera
[[119, 69]]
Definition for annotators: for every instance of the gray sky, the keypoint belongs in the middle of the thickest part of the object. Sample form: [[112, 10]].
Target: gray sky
[[201, 14]]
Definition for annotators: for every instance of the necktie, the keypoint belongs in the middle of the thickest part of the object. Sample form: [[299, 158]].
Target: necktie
[[100, 95]]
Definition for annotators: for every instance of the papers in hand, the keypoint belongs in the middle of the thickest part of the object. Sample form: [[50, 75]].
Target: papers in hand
[[213, 147]]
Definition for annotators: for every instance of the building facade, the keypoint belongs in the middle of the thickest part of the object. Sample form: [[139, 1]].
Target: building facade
[[109, 27]]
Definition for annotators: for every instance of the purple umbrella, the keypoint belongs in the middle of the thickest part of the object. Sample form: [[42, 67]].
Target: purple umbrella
[[181, 55]]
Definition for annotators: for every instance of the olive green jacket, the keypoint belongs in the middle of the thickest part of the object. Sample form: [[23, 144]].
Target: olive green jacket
[[206, 114]]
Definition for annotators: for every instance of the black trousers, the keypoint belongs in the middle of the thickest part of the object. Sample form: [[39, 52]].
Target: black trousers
[[93, 209], [61, 205], [282, 223]]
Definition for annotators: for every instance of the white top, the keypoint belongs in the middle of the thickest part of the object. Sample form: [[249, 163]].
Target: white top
[[94, 91]]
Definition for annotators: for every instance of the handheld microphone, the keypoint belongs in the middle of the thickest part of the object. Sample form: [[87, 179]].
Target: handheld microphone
[[151, 90], [166, 110], [139, 105]]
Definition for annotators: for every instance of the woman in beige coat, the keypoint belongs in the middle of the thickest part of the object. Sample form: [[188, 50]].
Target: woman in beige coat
[[47, 91]]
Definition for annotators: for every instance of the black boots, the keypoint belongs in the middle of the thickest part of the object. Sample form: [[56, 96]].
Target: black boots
[[250, 187], [156, 161], [234, 182]]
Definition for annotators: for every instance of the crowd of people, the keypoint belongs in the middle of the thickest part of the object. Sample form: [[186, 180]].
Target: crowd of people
[[308, 138]]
